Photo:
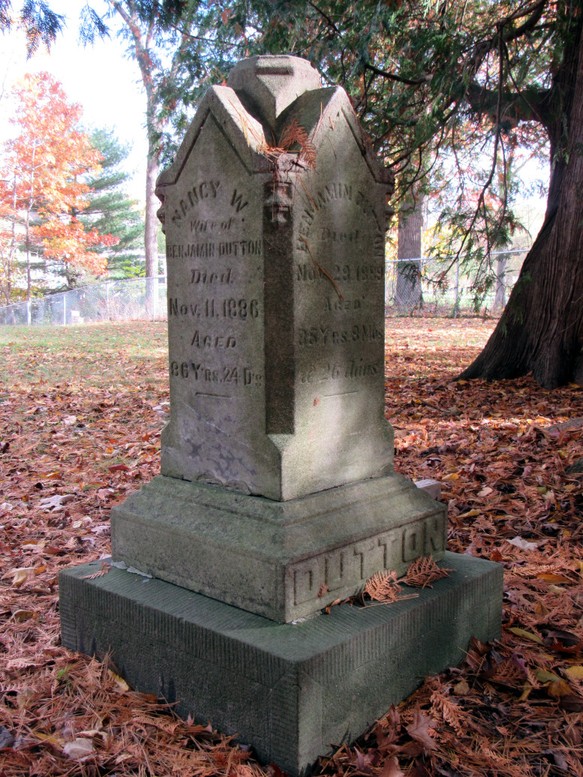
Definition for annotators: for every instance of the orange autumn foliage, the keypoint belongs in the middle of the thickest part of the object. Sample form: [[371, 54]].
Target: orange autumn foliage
[[43, 175]]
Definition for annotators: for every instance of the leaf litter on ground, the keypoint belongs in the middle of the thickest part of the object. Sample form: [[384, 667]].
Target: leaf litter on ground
[[81, 411]]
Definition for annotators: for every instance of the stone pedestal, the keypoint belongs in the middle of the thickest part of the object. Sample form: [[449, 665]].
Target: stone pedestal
[[292, 691], [283, 560]]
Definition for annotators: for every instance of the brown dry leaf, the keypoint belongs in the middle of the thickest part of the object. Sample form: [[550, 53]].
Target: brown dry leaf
[[391, 768], [103, 570], [525, 634], [558, 688], [20, 616], [420, 730], [449, 711], [295, 135], [424, 571], [523, 544], [383, 587], [509, 672], [119, 681]]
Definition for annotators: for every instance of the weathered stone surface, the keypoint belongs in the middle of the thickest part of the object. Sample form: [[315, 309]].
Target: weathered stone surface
[[268, 84], [283, 560], [291, 691], [430, 486], [275, 284]]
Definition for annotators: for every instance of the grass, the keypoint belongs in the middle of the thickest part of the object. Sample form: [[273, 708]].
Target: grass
[[100, 354]]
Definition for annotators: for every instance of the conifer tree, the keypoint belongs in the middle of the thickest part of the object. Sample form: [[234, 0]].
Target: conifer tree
[[111, 210]]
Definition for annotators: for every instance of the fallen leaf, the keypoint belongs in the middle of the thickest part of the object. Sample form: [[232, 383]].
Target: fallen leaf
[[424, 571], [6, 738], [20, 575], [420, 730], [544, 676], [559, 688], [79, 749], [56, 502], [391, 768], [518, 542], [461, 688], [571, 703], [526, 635], [119, 681], [550, 578], [383, 587], [470, 514], [103, 570], [119, 468], [20, 616], [574, 672]]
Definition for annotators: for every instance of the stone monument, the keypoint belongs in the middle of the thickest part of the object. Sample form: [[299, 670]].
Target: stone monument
[[277, 494]]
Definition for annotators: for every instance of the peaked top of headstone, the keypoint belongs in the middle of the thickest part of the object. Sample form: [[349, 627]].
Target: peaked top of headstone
[[268, 84]]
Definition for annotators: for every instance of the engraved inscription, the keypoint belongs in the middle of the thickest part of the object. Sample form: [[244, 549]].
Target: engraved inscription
[[201, 340], [332, 192], [208, 250], [242, 309], [323, 335], [308, 271], [200, 191], [205, 277], [200, 226], [343, 304], [332, 371], [354, 564], [233, 375]]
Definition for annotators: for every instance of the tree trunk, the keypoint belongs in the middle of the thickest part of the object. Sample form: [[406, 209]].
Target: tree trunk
[[142, 36], [541, 329], [500, 294], [408, 295], [151, 233]]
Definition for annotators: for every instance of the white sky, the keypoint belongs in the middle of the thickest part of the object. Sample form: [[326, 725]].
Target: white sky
[[99, 77]]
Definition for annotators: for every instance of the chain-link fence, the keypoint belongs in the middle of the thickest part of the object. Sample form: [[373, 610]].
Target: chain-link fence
[[427, 287], [413, 287], [123, 300]]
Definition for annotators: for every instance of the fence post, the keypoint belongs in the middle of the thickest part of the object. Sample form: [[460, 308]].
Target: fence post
[[456, 304]]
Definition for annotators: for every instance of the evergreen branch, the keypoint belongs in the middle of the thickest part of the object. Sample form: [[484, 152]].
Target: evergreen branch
[[324, 16], [395, 77]]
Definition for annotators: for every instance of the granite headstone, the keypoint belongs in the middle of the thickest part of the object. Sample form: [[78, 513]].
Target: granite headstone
[[275, 283]]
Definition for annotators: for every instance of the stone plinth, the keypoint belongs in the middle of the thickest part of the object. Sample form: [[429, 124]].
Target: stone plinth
[[283, 560], [293, 691]]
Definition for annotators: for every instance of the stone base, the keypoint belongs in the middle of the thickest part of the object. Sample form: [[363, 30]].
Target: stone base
[[283, 560], [292, 691]]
